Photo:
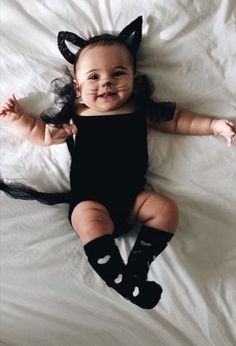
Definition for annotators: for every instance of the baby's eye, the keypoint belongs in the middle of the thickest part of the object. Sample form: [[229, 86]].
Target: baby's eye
[[94, 77], [118, 73]]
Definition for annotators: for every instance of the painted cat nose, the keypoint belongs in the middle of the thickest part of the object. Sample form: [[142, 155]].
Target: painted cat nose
[[107, 84]]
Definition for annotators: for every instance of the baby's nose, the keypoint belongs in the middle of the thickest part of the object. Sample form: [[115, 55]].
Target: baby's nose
[[107, 84]]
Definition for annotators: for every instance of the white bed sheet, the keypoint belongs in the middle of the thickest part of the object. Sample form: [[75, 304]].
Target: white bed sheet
[[49, 295]]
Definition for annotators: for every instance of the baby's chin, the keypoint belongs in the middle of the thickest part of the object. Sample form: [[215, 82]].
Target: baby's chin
[[107, 103]]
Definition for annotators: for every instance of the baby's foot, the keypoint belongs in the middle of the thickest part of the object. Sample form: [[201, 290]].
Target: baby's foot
[[145, 294]]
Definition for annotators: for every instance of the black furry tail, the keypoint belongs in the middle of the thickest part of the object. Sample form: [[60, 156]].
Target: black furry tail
[[20, 191]]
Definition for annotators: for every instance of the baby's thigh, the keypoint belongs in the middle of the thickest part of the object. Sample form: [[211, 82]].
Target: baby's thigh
[[155, 210], [91, 220]]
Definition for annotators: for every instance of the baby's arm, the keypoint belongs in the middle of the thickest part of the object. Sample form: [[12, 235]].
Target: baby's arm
[[33, 129], [189, 123]]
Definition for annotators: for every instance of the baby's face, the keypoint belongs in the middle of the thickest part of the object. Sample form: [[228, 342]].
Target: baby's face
[[104, 77]]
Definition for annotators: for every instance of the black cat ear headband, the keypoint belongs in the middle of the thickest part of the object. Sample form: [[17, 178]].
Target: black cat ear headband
[[134, 28]]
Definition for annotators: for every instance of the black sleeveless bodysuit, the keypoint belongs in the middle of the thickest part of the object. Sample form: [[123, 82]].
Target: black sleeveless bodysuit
[[109, 161]]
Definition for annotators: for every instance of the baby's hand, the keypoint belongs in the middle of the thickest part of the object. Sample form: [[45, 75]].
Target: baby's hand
[[11, 110], [224, 128], [70, 128]]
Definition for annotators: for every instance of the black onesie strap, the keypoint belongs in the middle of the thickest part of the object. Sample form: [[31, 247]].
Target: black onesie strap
[[75, 119], [70, 144]]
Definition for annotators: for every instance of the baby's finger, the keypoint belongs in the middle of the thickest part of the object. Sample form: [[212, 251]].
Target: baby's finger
[[232, 125], [229, 122], [13, 97], [3, 113], [230, 139], [6, 108], [11, 102], [68, 130], [8, 104]]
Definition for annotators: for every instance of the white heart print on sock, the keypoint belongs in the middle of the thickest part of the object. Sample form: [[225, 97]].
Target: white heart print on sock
[[135, 291], [103, 260], [118, 279], [144, 243]]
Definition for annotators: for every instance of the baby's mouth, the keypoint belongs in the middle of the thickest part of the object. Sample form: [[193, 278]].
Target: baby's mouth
[[106, 94]]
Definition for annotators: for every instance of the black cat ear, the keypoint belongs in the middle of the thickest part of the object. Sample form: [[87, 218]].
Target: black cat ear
[[134, 28], [72, 38]]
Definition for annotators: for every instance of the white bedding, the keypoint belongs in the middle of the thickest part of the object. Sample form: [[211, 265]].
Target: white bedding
[[49, 295]]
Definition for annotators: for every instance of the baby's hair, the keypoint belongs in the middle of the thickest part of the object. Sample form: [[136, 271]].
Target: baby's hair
[[64, 97]]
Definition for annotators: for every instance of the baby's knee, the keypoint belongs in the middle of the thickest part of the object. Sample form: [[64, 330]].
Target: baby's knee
[[170, 208], [170, 214], [91, 220], [166, 216]]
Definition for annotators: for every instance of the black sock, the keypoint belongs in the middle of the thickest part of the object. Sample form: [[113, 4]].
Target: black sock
[[149, 244], [104, 256]]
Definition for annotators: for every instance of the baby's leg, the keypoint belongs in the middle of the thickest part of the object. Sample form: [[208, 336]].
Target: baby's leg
[[159, 216], [91, 221]]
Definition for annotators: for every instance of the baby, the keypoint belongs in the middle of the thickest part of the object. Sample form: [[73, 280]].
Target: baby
[[109, 119]]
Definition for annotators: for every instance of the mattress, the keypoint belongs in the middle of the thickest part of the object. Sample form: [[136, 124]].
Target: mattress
[[49, 295]]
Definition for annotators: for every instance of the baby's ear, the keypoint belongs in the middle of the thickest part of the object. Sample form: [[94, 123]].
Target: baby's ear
[[76, 86], [75, 83]]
